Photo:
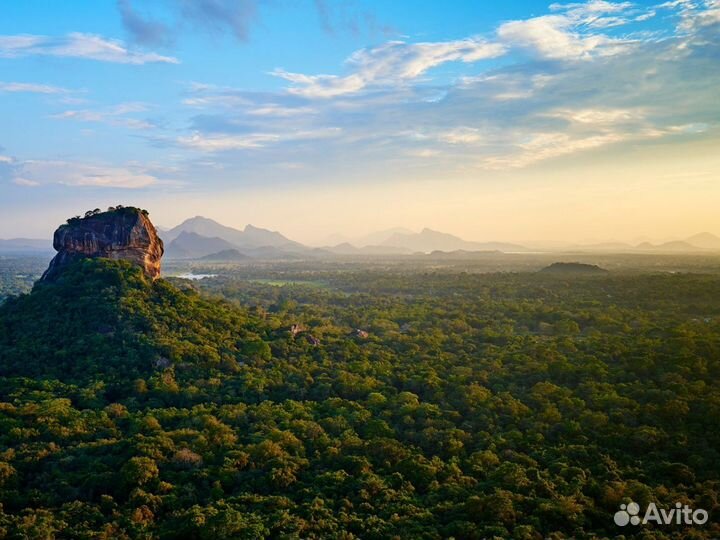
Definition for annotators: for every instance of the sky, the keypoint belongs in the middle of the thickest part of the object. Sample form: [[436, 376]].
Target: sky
[[517, 121]]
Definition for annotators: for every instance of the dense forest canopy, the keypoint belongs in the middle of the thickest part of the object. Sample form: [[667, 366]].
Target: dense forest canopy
[[426, 404]]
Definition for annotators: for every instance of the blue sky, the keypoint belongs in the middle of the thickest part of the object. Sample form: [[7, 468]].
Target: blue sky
[[494, 120]]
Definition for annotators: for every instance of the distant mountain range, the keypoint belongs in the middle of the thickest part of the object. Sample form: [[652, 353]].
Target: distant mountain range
[[26, 245], [694, 244], [203, 238], [428, 240], [206, 239], [249, 237]]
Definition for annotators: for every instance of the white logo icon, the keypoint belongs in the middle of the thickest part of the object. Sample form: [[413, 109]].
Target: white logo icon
[[627, 514]]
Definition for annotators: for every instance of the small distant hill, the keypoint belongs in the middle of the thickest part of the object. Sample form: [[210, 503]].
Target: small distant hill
[[227, 255], [573, 268], [674, 246]]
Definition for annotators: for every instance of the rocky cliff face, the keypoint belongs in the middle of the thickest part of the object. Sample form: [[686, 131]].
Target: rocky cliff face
[[123, 233]]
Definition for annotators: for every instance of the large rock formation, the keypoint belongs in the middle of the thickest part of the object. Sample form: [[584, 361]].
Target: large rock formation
[[123, 233]]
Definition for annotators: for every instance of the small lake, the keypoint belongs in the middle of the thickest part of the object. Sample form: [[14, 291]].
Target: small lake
[[195, 277]]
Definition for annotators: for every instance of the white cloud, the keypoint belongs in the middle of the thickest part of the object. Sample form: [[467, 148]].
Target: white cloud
[[516, 114], [645, 16], [695, 18], [70, 173], [598, 116], [564, 34], [553, 37], [31, 88], [321, 86], [219, 143], [591, 9], [223, 142], [541, 146], [461, 135], [77, 45], [227, 101], [392, 63], [114, 116], [424, 153], [277, 110], [25, 182], [571, 32]]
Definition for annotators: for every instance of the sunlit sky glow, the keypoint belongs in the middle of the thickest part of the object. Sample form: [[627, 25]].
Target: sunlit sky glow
[[518, 121]]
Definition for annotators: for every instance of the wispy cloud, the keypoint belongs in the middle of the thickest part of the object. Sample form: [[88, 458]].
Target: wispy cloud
[[33, 88], [461, 135], [395, 62], [114, 116], [223, 142], [696, 16], [25, 182], [34, 173], [553, 86], [78, 45], [576, 31], [577, 90]]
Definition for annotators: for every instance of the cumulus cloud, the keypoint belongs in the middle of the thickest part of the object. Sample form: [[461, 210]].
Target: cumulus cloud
[[564, 34], [78, 45]]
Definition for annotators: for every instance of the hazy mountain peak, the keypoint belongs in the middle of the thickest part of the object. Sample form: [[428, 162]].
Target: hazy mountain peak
[[704, 240]]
